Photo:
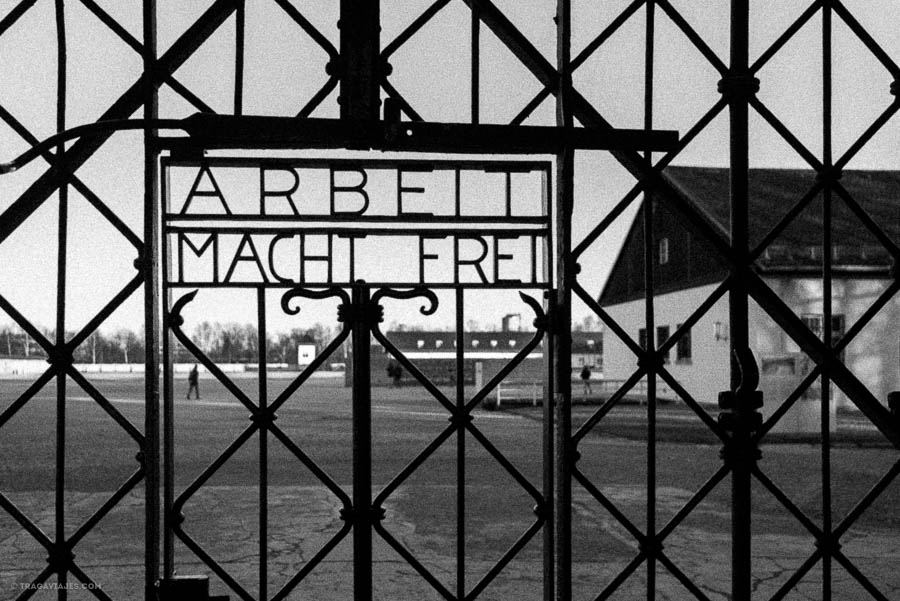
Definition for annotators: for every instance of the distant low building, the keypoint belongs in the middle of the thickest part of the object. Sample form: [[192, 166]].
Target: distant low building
[[687, 271], [434, 353], [306, 351]]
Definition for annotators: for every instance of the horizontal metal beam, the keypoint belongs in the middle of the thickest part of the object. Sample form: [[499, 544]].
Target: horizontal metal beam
[[209, 131]]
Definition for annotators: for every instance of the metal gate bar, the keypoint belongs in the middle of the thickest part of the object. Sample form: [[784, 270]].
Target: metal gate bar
[[60, 553], [827, 301], [561, 337], [150, 268], [650, 544], [363, 511], [460, 444], [737, 86]]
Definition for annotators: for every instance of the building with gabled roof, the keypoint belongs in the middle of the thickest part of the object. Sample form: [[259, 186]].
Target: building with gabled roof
[[687, 272]]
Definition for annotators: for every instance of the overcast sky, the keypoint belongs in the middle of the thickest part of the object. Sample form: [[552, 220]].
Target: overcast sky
[[284, 68]]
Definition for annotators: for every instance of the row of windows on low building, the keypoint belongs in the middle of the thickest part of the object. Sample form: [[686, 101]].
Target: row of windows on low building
[[682, 346], [814, 322], [791, 255], [492, 343]]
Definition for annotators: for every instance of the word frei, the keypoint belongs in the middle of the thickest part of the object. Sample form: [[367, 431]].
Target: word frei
[[248, 222]]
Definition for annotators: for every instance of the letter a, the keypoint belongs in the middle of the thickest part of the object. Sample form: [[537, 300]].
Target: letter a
[[215, 192]]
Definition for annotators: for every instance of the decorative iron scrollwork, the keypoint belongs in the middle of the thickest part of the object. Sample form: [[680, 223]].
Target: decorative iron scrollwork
[[408, 294]]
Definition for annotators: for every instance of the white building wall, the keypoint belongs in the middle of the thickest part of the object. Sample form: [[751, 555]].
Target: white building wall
[[873, 356], [707, 372], [306, 353]]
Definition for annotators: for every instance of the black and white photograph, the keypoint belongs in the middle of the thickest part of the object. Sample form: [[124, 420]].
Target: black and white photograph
[[449, 300]]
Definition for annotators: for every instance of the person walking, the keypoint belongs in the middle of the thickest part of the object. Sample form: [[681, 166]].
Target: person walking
[[194, 383], [586, 380]]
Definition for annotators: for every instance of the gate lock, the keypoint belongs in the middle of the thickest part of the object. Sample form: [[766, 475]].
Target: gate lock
[[894, 405], [893, 398], [739, 407]]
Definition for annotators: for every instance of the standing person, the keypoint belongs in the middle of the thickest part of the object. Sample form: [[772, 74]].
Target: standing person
[[394, 372], [194, 383], [586, 380]]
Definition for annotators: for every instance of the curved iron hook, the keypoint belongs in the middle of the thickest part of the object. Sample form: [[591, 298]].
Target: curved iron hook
[[749, 371], [293, 293], [175, 318], [540, 318], [407, 294]]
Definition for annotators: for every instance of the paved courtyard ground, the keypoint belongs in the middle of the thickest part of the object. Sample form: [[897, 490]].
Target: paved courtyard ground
[[421, 513]]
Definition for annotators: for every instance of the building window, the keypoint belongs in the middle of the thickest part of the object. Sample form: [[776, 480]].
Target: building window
[[493, 344], [683, 347], [642, 338], [663, 251], [420, 343], [438, 343], [837, 327], [662, 335], [474, 344], [816, 324], [512, 343]]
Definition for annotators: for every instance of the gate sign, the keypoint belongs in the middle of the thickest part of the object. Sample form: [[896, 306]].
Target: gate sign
[[251, 222]]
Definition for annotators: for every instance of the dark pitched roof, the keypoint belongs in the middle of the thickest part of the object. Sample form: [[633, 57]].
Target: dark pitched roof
[[773, 194]]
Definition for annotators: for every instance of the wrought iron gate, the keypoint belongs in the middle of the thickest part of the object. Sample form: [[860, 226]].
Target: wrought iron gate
[[360, 314], [360, 67]]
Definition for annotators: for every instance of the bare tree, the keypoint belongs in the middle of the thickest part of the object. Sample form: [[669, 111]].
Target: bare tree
[[128, 342]]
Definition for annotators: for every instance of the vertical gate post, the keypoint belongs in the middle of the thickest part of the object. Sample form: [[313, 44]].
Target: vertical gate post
[[362, 445], [561, 319], [738, 86], [549, 442], [359, 69], [149, 264], [60, 557]]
